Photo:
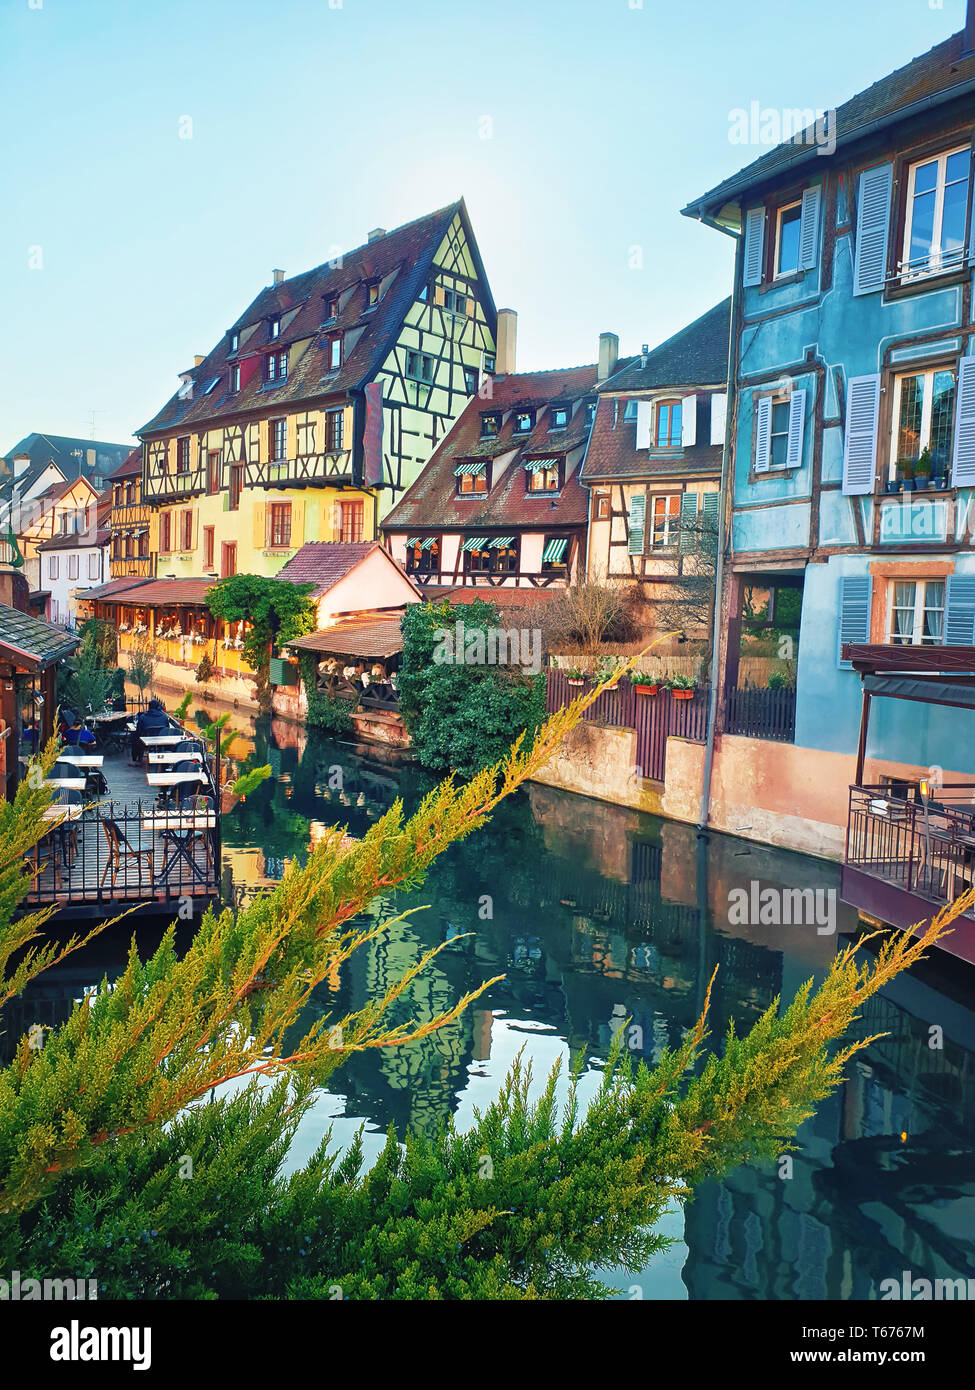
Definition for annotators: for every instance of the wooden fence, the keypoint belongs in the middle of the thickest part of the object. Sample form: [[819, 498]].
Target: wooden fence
[[767, 714]]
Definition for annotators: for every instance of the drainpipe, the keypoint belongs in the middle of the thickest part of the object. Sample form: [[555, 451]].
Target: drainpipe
[[723, 509]]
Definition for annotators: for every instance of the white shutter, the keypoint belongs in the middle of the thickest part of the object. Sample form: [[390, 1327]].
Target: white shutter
[[854, 614], [763, 435], [809, 228], [688, 421], [644, 411], [960, 611], [719, 415], [797, 421], [963, 459], [873, 222], [860, 451], [754, 246], [638, 510]]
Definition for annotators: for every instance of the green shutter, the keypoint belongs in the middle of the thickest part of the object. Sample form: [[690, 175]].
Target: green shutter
[[638, 512], [688, 521]]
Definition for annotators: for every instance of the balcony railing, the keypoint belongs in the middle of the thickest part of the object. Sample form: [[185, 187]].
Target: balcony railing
[[172, 486], [924, 847], [300, 471]]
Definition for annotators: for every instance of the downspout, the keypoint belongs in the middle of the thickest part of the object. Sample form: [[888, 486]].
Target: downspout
[[723, 510]]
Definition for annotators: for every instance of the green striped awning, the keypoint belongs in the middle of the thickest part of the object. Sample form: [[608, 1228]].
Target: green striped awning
[[555, 549], [475, 543], [501, 542], [536, 465], [423, 544], [478, 466]]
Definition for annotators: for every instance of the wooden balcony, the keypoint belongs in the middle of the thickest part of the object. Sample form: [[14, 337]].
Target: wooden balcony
[[171, 487], [302, 471], [139, 566]]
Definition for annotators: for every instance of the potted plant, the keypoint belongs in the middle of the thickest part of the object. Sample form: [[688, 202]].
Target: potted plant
[[682, 687], [922, 470], [609, 674], [574, 676], [644, 684], [905, 475]]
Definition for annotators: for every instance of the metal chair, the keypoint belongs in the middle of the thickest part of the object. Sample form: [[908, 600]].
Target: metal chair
[[121, 851]]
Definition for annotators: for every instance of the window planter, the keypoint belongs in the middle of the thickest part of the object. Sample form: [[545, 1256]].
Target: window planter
[[646, 689], [682, 694]]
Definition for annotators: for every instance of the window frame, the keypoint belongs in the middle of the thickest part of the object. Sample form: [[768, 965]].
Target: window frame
[[599, 497], [671, 522], [490, 416], [920, 608], [334, 346], [432, 553], [668, 403], [356, 509], [894, 382], [334, 431], [483, 477], [186, 529], [412, 354], [793, 205], [183, 454], [277, 438], [551, 466], [519, 415], [209, 538], [279, 526], [902, 239]]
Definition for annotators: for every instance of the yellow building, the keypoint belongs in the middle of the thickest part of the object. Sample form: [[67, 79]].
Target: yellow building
[[321, 404]]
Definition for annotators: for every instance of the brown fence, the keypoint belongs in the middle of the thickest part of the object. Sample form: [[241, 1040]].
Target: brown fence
[[767, 714], [654, 717]]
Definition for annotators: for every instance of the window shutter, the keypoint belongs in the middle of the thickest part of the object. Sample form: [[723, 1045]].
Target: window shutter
[[873, 222], [298, 522], [854, 615], [688, 521], [809, 228], [963, 459], [960, 611], [860, 450], [439, 295], [719, 416], [709, 506], [644, 412], [470, 304], [797, 420], [754, 246], [688, 421], [638, 511], [763, 435], [260, 525]]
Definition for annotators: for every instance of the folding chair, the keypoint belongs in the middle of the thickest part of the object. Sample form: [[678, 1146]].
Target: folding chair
[[120, 852]]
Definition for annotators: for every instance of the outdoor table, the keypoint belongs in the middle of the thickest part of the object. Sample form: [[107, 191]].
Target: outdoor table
[[75, 783], [112, 717], [173, 757], [173, 779], [61, 813], [162, 740], [180, 831], [82, 760]]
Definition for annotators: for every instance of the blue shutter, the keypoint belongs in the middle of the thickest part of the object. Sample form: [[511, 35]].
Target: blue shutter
[[873, 223], [854, 614], [963, 458], [809, 228], [860, 448], [754, 246], [709, 505], [960, 611], [638, 511], [763, 435], [797, 420]]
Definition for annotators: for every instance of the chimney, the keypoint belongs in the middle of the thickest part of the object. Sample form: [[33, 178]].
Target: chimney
[[277, 276], [504, 356], [609, 351], [968, 43], [376, 233], [198, 357], [644, 354]]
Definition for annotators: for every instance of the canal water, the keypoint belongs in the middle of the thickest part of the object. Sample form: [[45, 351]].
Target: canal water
[[595, 914]]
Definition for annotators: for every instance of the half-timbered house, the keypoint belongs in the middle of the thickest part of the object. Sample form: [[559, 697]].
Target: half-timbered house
[[129, 552]]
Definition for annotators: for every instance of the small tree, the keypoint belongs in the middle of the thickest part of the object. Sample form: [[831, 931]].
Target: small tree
[[586, 614], [142, 665], [276, 612], [90, 684], [687, 606]]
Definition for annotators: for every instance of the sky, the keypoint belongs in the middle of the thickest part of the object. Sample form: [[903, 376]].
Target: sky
[[160, 157]]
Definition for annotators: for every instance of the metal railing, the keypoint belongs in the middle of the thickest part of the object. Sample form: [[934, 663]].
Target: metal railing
[[926, 847]]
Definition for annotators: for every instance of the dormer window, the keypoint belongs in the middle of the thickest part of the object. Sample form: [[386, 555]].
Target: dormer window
[[276, 367], [524, 421], [667, 434], [331, 309], [490, 425], [372, 294], [629, 410], [235, 378], [558, 417], [334, 354], [472, 478], [543, 475], [590, 412], [274, 328], [234, 341]]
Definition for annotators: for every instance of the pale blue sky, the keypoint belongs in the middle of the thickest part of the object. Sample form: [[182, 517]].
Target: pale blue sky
[[312, 124]]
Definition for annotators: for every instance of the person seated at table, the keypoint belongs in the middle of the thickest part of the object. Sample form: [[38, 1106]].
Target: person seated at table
[[28, 735], [153, 720], [80, 735], [66, 717]]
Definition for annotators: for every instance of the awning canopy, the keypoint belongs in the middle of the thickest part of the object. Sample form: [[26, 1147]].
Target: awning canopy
[[475, 543], [425, 543], [536, 465], [477, 466], [926, 690], [555, 549], [501, 542]]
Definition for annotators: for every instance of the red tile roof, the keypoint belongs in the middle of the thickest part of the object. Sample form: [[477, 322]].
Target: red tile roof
[[114, 587], [130, 467], [366, 637], [432, 501], [324, 563], [165, 593]]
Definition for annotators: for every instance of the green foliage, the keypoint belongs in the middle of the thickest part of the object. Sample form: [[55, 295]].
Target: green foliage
[[459, 716], [89, 683], [204, 672], [276, 612], [142, 665], [183, 708], [248, 782], [326, 712]]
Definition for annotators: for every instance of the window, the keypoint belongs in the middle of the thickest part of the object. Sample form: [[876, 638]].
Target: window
[[186, 529], [94, 565], [234, 341], [779, 435], [489, 363], [544, 475], [936, 213], [279, 526], [630, 410], [276, 367], [236, 483], [350, 521], [422, 555], [555, 554], [924, 405], [143, 547], [214, 471], [668, 431], [472, 479], [73, 566], [787, 226], [228, 559], [128, 547], [165, 533], [524, 421], [424, 293], [129, 494], [483, 556], [419, 366], [117, 494], [274, 328], [334, 354], [277, 439], [214, 381], [52, 567], [372, 294], [470, 380], [601, 506], [664, 520], [590, 412], [235, 378], [335, 431], [490, 425], [454, 302], [208, 547], [916, 612], [183, 454], [331, 309]]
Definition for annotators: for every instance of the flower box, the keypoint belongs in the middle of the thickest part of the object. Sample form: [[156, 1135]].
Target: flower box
[[682, 694]]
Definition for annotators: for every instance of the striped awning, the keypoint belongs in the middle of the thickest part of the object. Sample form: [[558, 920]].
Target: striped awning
[[555, 549], [427, 543], [478, 466], [475, 543], [502, 542], [536, 465]]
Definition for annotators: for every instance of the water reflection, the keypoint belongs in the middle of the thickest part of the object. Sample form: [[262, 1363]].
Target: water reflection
[[595, 914]]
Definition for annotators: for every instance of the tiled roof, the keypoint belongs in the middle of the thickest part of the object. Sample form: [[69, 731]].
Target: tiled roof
[[324, 563], [432, 500], [63, 452], [405, 253], [159, 593], [130, 467], [114, 587], [694, 356], [77, 540], [507, 597], [30, 643], [367, 637], [931, 79]]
